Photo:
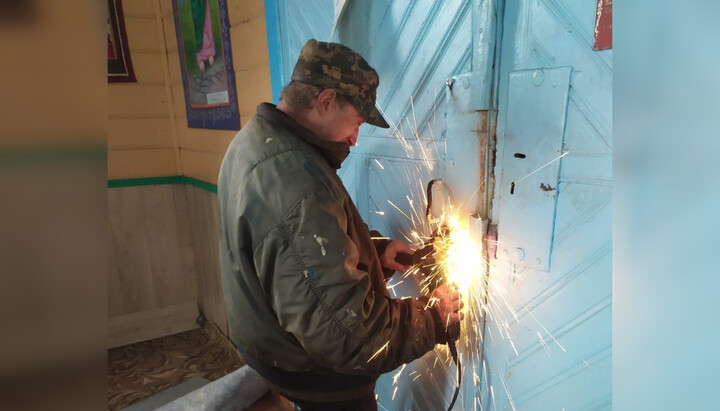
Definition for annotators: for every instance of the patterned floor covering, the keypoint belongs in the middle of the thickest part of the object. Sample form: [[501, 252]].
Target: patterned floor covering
[[137, 371]]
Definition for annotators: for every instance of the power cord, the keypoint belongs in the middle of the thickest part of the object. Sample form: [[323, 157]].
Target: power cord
[[453, 333]]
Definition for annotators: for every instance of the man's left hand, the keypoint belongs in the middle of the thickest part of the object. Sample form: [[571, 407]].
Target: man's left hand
[[387, 259]]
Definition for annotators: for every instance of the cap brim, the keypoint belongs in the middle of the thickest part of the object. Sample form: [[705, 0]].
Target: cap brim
[[376, 119]]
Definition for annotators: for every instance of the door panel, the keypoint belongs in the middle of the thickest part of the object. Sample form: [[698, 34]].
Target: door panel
[[548, 338]]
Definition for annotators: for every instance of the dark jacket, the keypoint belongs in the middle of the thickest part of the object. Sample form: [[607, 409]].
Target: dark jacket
[[305, 292]]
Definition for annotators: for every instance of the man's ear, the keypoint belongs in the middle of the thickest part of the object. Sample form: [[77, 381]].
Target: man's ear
[[325, 99]]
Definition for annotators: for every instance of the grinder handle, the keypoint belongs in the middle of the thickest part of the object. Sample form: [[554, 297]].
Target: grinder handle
[[417, 256], [453, 331], [404, 258]]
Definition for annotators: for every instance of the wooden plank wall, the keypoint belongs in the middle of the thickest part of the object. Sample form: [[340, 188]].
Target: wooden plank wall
[[148, 134], [163, 261], [141, 142], [203, 224], [164, 239], [152, 277], [201, 150]]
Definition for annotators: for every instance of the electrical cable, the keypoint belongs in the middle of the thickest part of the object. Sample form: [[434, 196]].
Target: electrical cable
[[429, 197], [454, 353], [453, 333]]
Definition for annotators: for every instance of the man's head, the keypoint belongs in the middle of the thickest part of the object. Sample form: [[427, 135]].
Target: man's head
[[332, 92]]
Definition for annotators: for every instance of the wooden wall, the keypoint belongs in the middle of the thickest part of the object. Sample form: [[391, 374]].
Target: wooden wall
[[152, 280], [203, 220], [141, 141], [148, 134], [163, 238], [163, 261]]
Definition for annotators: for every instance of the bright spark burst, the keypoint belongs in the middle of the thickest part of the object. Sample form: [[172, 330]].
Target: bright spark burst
[[460, 257], [458, 260]]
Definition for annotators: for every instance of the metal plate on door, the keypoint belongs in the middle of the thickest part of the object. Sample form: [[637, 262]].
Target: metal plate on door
[[537, 107]]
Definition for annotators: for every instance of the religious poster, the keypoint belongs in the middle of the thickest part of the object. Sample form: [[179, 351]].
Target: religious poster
[[120, 68], [203, 37]]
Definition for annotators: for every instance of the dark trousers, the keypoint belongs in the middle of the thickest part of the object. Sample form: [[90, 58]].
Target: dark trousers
[[366, 403]]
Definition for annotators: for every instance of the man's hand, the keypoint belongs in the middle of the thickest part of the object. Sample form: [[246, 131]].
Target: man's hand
[[387, 259], [446, 299]]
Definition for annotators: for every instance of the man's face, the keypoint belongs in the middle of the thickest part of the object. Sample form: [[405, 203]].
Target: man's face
[[341, 123]]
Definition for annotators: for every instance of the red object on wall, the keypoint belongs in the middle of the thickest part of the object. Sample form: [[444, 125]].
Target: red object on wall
[[603, 25]]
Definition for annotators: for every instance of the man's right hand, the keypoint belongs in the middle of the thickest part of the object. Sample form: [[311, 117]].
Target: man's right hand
[[446, 299]]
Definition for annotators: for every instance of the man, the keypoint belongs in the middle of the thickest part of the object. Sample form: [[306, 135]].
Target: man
[[304, 281]]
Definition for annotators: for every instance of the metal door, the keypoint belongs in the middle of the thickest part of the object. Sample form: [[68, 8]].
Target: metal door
[[548, 338], [415, 46]]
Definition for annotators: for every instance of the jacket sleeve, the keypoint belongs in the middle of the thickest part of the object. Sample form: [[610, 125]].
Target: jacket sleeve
[[329, 306]]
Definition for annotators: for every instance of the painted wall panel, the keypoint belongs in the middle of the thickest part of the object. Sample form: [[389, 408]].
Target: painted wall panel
[[139, 163], [415, 46], [133, 133], [551, 335], [163, 261], [548, 336]]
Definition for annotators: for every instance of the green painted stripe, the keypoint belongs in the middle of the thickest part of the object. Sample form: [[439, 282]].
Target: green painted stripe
[[199, 183], [146, 181]]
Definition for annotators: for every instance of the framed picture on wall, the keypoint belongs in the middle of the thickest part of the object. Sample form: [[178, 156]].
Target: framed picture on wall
[[203, 37], [120, 69]]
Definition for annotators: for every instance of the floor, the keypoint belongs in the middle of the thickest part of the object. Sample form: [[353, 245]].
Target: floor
[[137, 371]]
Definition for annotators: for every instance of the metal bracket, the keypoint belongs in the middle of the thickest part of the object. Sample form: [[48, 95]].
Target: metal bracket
[[464, 165]]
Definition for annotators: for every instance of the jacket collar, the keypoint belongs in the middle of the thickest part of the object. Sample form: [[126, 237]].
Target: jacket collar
[[334, 152]]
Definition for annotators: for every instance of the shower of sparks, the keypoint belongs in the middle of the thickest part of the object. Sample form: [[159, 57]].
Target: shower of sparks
[[542, 341], [459, 257], [544, 329], [401, 211], [458, 260]]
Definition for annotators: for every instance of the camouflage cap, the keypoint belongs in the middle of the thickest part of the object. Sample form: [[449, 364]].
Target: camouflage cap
[[332, 65]]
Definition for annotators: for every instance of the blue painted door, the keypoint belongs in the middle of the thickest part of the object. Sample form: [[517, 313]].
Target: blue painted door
[[548, 338], [415, 46]]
